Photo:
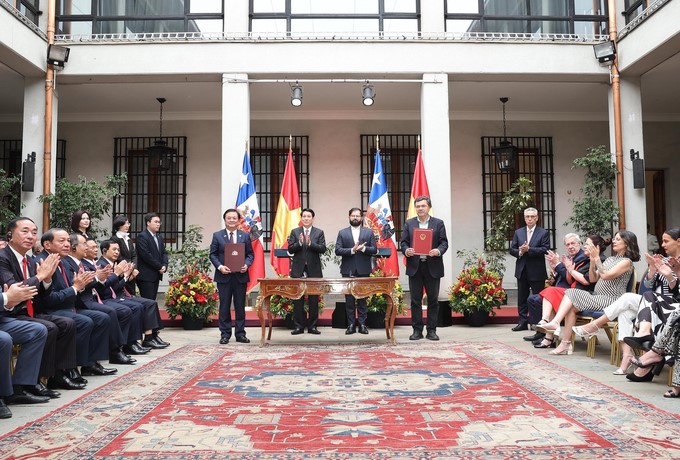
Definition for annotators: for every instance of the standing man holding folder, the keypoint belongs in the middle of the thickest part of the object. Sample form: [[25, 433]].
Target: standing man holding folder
[[231, 253], [423, 242]]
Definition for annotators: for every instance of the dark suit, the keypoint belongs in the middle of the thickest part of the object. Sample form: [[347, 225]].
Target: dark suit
[[530, 268], [6, 388], [92, 327], [128, 253], [306, 263], [424, 272], [59, 351], [151, 257], [355, 265], [232, 285]]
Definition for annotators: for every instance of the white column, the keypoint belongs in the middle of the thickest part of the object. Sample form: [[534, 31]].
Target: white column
[[631, 130], [432, 17], [235, 133], [236, 16], [33, 136], [435, 141]]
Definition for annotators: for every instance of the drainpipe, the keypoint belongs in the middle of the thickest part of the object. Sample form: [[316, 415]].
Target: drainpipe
[[616, 96], [49, 94]]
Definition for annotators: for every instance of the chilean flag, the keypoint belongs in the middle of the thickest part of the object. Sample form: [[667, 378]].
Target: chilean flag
[[246, 204], [287, 217], [379, 217]]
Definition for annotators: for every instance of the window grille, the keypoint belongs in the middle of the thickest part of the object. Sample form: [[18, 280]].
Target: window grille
[[268, 156], [535, 162], [398, 153], [154, 185]]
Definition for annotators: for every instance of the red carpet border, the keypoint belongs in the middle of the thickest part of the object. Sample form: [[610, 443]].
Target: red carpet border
[[354, 401]]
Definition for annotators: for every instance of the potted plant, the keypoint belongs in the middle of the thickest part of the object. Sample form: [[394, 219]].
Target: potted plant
[[477, 290], [376, 305], [192, 296]]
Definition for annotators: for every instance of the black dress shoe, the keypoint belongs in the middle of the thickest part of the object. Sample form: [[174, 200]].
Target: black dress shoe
[[4, 410], [75, 376], [417, 335], [161, 341], [363, 329], [314, 331], [297, 331], [136, 349], [22, 397], [242, 339], [432, 335], [521, 326], [41, 390], [97, 369], [153, 344], [224, 340], [640, 343], [63, 382], [118, 357], [350, 330], [533, 338]]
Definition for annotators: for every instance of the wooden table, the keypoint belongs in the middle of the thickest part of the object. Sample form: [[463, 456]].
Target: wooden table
[[295, 288]]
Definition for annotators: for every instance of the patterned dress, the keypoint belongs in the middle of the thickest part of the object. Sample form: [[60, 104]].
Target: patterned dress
[[605, 292]]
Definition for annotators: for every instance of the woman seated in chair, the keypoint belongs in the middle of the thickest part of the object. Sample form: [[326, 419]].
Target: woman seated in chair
[[611, 277], [646, 313], [577, 276]]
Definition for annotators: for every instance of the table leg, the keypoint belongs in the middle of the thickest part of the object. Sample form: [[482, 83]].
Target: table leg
[[260, 315]]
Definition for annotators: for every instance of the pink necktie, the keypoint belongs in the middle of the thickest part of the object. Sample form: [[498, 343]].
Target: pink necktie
[[29, 302]]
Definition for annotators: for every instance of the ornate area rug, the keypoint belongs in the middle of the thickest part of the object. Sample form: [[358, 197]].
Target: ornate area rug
[[362, 401]]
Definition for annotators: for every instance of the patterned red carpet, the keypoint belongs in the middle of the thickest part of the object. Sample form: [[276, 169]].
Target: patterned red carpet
[[415, 400]]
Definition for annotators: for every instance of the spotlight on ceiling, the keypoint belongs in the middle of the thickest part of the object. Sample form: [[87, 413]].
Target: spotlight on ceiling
[[605, 52], [57, 55], [296, 95], [368, 93]]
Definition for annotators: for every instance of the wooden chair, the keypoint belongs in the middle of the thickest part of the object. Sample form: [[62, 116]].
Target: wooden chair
[[15, 354]]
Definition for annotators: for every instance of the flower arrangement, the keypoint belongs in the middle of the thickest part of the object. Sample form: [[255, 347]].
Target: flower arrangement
[[477, 288], [192, 295], [377, 303]]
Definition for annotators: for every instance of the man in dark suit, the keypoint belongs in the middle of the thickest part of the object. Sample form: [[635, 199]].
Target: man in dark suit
[[424, 271], [529, 245], [306, 243], [355, 244], [92, 327], [231, 283], [152, 259], [59, 354]]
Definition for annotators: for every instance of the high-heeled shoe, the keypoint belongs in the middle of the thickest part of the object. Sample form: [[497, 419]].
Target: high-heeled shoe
[[546, 328], [623, 370], [550, 343], [645, 378], [638, 363], [581, 332], [640, 343], [566, 351]]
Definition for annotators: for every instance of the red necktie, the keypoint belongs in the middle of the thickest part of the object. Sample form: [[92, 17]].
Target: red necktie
[[29, 302], [62, 269]]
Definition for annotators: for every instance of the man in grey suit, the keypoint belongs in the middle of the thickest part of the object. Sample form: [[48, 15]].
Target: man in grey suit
[[306, 243], [355, 244], [424, 271]]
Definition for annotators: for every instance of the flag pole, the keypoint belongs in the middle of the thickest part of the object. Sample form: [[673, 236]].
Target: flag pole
[[290, 142], [377, 142], [418, 141]]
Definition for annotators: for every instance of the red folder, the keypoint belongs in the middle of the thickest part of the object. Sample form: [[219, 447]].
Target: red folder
[[234, 256], [422, 241]]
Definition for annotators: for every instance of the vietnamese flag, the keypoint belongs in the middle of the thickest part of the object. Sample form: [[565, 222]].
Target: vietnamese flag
[[419, 187], [287, 217]]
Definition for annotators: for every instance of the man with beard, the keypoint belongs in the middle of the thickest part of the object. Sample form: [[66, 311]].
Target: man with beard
[[355, 244]]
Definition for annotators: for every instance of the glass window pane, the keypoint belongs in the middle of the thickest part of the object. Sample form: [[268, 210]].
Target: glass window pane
[[400, 25], [75, 28], [463, 25], [206, 25], [111, 27], [507, 26], [74, 7], [136, 9], [268, 25], [589, 7], [549, 8], [334, 25], [505, 7], [334, 7], [549, 27], [590, 28], [269, 6], [400, 6], [150, 26], [462, 6], [205, 6]]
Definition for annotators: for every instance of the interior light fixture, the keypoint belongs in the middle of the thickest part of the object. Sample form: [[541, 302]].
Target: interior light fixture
[[57, 55], [160, 151], [506, 153], [368, 94], [296, 95], [605, 52]]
